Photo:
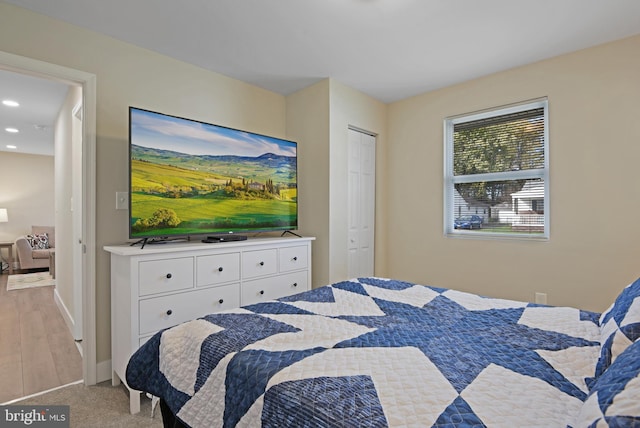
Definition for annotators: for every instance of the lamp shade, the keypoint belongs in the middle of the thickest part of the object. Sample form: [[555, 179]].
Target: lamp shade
[[3, 215]]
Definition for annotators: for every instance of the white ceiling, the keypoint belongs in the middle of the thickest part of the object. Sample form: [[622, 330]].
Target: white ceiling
[[388, 49], [40, 101]]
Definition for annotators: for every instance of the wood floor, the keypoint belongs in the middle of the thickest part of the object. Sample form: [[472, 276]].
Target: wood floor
[[37, 351]]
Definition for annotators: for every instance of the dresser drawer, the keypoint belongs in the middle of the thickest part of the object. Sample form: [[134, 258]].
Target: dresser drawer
[[217, 269], [260, 290], [258, 263], [166, 311], [293, 258], [159, 276]]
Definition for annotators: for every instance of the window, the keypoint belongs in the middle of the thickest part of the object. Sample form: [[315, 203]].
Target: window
[[496, 172]]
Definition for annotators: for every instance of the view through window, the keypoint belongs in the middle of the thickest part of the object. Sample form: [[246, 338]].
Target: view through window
[[496, 172]]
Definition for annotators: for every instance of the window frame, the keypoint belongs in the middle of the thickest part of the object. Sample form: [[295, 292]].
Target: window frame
[[450, 179]]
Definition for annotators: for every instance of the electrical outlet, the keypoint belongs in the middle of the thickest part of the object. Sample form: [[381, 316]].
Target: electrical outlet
[[541, 298], [122, 200]]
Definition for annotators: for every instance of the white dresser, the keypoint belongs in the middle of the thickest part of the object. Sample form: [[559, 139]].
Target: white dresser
[[162, 285]]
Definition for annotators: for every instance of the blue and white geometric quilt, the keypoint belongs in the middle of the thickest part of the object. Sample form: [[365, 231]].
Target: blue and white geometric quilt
[[375, 352]]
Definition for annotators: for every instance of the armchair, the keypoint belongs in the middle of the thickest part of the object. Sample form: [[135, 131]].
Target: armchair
[[33, 258]]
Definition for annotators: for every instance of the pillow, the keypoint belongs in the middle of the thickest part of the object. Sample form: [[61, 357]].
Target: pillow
[[38, 242], [619, 326], [613, 400]]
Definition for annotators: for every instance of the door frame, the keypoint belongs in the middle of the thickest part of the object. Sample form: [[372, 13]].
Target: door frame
[[87, 267]]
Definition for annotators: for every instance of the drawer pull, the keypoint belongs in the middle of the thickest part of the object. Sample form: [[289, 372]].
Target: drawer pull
[[295, 284], [169, 276], [261, 291], [169, 312], [221, 301], [220, 269], [295, 259], [261, 263]]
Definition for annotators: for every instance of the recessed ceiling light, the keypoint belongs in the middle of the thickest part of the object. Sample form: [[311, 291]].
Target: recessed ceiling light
[[11, 146], [10, 103], [12, 130]]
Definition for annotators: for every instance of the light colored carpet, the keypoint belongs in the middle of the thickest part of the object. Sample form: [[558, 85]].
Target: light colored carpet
[[101, 405], [29, 280]]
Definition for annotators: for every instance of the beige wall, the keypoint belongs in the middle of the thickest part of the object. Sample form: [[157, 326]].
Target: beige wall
[[308, 121], [128, 75], [352, 108], [594, 194], [321, 115], [27, 192]]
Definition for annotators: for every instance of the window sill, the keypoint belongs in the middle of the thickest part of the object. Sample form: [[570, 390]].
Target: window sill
[[497, 236]]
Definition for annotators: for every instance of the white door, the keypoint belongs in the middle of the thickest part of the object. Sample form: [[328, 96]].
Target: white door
[[361, 200], [77, 216]]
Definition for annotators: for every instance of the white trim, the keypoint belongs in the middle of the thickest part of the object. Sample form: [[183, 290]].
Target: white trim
[[499, 111], [448, 176], [24, 65], [529, 237], [89, 229], [547, 193], [66, 315]]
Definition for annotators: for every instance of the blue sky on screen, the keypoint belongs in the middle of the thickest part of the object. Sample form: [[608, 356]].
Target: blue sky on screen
[[155, 130]]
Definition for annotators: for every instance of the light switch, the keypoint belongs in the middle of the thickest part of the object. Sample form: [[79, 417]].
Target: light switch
[[122, 200]]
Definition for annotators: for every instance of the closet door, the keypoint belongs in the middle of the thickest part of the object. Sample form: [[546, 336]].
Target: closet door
[[361, 200]]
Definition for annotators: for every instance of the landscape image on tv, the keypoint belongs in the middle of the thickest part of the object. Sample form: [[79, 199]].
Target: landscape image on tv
[[192, 178]]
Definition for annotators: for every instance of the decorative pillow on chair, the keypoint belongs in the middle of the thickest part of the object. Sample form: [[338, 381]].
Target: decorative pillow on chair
[[38, 242], [619, 326], [613, 400]]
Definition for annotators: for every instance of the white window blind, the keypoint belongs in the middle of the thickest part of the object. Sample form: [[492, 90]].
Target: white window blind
[[496, 172]]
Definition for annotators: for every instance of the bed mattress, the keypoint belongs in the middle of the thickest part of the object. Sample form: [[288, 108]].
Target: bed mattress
[[375, 352]]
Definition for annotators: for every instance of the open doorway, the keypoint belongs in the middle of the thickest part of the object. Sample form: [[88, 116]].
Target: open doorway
[[79, 203], [38, 312]]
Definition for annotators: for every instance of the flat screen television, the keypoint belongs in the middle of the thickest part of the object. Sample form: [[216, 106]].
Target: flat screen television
[[188, 178]]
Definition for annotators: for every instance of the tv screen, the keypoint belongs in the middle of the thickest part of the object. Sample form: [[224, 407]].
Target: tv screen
[[194, 178]]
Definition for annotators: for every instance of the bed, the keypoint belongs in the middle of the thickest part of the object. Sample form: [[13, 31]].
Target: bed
[[383, 352]]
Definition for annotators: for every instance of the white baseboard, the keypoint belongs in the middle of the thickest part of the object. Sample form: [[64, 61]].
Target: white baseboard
[[66, 315]]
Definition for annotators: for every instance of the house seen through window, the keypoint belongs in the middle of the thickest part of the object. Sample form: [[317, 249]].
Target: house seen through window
[[496, 172]]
